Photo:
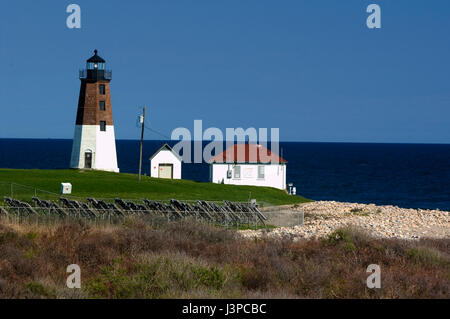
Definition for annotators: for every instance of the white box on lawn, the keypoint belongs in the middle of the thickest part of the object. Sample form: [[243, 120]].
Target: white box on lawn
[[66, 188]]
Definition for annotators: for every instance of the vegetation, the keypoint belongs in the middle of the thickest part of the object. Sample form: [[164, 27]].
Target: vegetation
[[110, 185], [357, 212], [141, 259]]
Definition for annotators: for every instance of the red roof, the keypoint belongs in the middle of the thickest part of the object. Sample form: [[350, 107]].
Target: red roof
[[247, 153]]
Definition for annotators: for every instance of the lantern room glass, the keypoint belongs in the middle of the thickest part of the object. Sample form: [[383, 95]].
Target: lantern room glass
[[95, 66]]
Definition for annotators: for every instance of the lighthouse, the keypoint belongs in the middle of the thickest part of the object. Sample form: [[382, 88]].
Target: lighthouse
[[94, 144]]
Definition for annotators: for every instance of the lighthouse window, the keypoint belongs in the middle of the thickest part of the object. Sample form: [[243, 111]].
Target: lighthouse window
[[102, 89], [103, 126], [102, 105]]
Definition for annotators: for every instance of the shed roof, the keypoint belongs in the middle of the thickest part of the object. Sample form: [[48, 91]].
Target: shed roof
[[166, 147], [247, 153]]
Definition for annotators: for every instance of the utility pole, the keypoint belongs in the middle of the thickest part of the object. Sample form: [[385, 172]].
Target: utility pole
[[142, 120]]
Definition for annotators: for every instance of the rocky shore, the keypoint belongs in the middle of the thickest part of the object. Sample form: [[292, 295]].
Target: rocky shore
[[323, 217]]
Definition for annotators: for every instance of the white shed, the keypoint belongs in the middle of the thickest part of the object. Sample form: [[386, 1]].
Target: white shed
[[165, 163], [249, 164]]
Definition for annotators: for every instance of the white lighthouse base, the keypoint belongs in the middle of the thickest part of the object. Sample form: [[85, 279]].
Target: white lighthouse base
[[101, 146]]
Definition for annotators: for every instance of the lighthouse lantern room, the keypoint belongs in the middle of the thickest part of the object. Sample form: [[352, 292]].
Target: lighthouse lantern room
[[94, 144]]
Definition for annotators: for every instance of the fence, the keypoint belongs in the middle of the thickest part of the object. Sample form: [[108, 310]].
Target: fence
[[228, 214], [24, 192], [39, 215], [284, 217], [50, 207]]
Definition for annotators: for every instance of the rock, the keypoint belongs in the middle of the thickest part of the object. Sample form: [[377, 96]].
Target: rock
[[323, 217]]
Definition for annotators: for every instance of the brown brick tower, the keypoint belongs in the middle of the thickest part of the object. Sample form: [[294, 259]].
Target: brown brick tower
[[94, 145]]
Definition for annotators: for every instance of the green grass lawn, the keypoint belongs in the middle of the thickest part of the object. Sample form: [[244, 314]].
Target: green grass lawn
[[107, 185]]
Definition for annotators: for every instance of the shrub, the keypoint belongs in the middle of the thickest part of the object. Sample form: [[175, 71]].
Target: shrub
[[427, 257], [351, 237], [211, 277], [7, 235], [139, 259], [31, 235], [155, 278], [112, 282], [38, 290]]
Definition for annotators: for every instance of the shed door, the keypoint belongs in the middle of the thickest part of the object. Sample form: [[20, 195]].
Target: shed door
[[165, 171]]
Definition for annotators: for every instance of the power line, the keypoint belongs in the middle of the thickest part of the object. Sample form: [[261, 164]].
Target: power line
[[158, 133], [147, 127]]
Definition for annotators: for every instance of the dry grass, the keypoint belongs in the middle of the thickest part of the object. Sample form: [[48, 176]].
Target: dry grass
[[139, 259]]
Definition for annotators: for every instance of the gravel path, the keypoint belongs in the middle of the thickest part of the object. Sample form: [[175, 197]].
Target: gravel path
[[323, 217]]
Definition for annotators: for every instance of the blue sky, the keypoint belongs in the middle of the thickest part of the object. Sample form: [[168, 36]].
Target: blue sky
[[311, 68]]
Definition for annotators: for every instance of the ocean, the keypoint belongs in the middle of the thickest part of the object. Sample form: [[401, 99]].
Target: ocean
[[406, 175]]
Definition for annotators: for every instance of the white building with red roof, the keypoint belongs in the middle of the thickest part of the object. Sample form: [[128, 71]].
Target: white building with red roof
[[248, 164]]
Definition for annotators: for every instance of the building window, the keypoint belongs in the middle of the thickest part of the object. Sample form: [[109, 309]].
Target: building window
[[237, 172], [102, 106], [261, 172], [102, 89], [103, 126]]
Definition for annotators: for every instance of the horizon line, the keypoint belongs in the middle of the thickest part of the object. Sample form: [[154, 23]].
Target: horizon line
[[165, 140]]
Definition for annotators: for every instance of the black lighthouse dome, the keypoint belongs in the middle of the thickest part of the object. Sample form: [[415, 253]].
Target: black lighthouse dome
[[95, 62], [95, 69]]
